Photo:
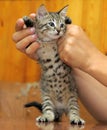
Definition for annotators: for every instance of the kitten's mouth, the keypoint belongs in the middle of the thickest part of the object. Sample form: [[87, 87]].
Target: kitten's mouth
[[59, 34], [55, 36]]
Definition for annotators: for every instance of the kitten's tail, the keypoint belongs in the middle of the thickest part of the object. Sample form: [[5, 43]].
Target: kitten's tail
[[34, 104]]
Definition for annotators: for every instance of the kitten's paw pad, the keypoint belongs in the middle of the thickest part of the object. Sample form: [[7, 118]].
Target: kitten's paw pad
[[77, 121]]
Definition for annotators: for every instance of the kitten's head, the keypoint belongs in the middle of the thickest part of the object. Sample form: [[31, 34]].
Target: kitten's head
[[50, 25]]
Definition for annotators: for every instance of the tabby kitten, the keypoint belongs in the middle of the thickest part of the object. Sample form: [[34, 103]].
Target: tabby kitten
[[58, 90]]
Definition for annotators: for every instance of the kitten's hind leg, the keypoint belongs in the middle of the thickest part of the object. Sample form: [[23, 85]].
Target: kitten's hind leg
[[48, 111], [48, 116], [73, 112]]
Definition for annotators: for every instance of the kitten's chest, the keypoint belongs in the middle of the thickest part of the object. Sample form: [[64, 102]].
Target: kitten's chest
[[47, 51], [50, 61], [49, 58]]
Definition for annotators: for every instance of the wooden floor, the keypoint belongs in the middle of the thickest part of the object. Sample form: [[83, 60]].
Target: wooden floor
[[13, 116]]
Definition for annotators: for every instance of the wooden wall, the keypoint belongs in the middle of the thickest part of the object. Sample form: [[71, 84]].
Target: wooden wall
[[15, 66]]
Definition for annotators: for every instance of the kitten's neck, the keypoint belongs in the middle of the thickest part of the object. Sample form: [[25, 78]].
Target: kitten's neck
[[43, 41]]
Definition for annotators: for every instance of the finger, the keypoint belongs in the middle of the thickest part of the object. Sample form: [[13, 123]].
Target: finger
[[61, 48], [18, 36], [32, 48], [19, 24], [60, 41], [23, 44], [32, 15], [61, 44]]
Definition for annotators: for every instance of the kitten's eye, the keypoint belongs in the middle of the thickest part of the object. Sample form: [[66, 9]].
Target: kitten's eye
[[62, 25], [51, 24]]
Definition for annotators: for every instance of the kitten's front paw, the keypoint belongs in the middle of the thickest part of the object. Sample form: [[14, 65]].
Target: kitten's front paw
[[28, 21], [47, 117], [42, 119], [77, 121]]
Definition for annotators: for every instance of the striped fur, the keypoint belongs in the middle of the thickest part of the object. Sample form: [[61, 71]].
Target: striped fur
[[58, 89]]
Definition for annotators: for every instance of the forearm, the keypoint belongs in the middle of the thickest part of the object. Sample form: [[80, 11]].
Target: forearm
[[98, 68], [92, 94]]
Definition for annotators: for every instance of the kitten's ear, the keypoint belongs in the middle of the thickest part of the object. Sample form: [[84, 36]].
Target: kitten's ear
[[42, 12], [63, 11]]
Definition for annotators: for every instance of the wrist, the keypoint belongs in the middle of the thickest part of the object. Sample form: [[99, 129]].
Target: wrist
[[94, 61]]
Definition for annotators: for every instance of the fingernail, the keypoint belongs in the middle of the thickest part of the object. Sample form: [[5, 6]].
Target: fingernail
[[34, 36], [32, 30]]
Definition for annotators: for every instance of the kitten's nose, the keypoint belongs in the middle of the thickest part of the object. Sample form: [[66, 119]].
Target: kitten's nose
[[58, 31]]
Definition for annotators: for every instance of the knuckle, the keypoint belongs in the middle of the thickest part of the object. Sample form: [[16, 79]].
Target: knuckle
[[14, 37], [66, 48], [69, 41], [75, 30]]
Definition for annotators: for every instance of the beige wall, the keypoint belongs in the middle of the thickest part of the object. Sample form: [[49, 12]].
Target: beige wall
[[15, 66]]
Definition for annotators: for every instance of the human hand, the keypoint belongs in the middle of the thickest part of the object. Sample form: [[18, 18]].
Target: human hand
[[76, 49], [25, 38]]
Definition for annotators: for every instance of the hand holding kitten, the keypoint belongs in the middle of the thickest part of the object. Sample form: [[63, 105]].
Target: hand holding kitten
[[75, 48], [25, 38]]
